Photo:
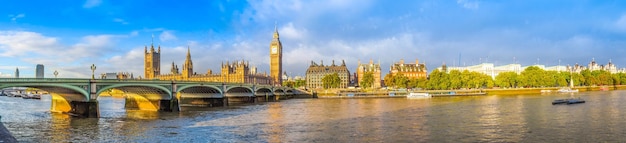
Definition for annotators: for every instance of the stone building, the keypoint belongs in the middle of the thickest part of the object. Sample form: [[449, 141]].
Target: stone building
[[315, 73], [235, 72], [370, 67], [410, 70]]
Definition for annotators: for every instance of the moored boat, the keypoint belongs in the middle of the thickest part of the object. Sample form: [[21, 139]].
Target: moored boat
[[414, 95], [567, 90], [568, 101]]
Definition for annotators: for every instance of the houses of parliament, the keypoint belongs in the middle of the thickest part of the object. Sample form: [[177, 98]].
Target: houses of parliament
[[231, 72]]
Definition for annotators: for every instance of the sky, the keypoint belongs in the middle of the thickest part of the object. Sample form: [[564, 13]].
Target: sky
[[70, 36]]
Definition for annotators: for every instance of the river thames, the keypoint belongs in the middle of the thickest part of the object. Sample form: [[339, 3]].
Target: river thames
[[494, 118]]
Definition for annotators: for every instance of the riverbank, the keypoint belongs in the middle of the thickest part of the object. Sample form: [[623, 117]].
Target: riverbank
[[335, 93], [5, 135]]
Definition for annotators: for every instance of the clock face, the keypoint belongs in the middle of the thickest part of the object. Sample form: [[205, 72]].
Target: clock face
[[274, 50]]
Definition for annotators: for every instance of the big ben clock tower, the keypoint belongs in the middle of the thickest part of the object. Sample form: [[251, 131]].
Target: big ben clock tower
[[276, 59]]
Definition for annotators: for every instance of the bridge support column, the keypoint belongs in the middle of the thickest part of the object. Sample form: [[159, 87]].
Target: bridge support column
[[168, 105], [85, 109], [225, 101]]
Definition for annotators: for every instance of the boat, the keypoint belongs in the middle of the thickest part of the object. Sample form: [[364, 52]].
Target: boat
[[414, 95], [568, 101], [546, 91], [567, 90]]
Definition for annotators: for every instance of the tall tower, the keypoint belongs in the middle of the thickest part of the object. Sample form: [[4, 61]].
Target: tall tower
[[276, 59], [152, 61], [17, 73], [188, 66], [39, 71]]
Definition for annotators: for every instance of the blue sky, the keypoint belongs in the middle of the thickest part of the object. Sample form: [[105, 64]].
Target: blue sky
[[69, 36]]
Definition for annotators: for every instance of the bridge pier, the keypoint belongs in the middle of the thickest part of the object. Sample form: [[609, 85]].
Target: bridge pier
[[168, 105], [85, 109]]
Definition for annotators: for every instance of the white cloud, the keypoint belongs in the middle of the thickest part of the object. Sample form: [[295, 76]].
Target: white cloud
[[119, 20], [15, 43], [68, 59], [468, 4], [289, 31], [5, 75], [92, 3], [15, 17], [167, 35]]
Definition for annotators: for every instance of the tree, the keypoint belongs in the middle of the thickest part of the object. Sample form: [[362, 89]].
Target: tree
[[367, 81], [401, 81], [533, 77], [506, 79], [455, 79], [300, 83], [390, 80], [290, 84], [331, 81]]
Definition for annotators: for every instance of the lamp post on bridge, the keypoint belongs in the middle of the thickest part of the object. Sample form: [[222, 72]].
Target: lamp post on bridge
[[93, 69], [55, 73]]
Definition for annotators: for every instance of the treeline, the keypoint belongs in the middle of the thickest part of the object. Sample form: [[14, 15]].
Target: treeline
[[531, 77]]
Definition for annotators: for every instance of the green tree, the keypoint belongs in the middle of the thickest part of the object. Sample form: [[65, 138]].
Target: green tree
[[367, 80], [455, 79], [290, 84], [533, 77], [506, 79], [587, 77], [331, 81], [300, 83], [390, 80], [401, 81], [438, 80]]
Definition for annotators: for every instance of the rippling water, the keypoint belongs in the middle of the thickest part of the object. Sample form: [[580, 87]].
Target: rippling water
[[506, 118]]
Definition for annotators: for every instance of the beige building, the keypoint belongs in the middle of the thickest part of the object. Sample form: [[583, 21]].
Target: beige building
[[236, 72], [315, 73], [410, 70], [370, 67]]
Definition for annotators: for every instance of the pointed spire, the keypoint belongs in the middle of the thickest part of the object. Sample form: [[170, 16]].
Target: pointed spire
[[152, 43], [188, 52], [276, 35]]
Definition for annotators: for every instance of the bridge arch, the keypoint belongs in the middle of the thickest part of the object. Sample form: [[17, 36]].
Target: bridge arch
[[69, 92], [199, 85], [263, 91], [239, 91], [161, 91]]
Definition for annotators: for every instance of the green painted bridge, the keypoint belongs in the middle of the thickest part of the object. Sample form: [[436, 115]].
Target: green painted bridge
[[80, 96]]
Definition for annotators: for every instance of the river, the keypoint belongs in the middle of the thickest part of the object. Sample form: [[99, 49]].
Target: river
[[494, 118]]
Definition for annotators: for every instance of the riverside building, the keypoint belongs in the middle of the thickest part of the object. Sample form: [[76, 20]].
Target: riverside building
[[410, 70], [369, 67], [315, 73]]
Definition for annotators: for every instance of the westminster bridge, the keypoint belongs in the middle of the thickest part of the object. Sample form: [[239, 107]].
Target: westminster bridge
[[80, 96]]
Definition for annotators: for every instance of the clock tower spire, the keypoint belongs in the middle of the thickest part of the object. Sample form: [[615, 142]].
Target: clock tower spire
[[276, 59]]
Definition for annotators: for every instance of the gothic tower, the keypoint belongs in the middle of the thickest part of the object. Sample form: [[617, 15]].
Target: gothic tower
[[152, 62], [276, 59], [188, 66]]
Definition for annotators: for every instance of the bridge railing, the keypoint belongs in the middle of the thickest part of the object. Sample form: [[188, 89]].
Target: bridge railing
[[65, 80]]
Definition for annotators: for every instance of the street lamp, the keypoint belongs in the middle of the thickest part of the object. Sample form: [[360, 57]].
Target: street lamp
[[93, 68], [55, 73]]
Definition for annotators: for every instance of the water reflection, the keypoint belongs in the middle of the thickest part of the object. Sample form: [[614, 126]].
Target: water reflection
[[508, 118]]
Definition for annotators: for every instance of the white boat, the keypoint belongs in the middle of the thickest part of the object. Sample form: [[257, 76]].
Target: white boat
[[418, 95], [567, 90]]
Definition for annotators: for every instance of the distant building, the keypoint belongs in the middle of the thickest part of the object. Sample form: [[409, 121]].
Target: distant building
[[17, 73], [410, 70], [370, 67], [237, 72], [39, 72], [119, 75], [315, 73]]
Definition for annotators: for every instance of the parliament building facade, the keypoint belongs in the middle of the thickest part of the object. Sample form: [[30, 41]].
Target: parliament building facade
[[235, 72]]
